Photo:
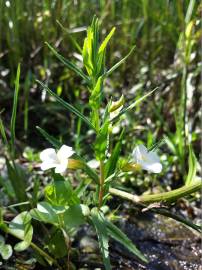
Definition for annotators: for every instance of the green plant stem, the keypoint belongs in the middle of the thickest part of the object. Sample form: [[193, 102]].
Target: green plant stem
[[169, 196], [101, 188], [45, 255]]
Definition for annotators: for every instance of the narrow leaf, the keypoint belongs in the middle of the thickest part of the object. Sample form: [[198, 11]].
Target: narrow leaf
[[119, 236], [135, 103], [106, 40], [101, 229], [192, 167], [119, 63], [66, 105], [3, 133], [14, 112], [112, 162], [57, 144], [68, 64]]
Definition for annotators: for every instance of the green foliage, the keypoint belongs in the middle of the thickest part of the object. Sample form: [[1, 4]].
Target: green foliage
[[101, 142], [21, 227], [103, 238], [5, 249], [111, 163], [18, 179], [119, 236], [190, 179], [60, 193], [68, 64], [67, 105], [45, 213], [50, 138], [14, 112]]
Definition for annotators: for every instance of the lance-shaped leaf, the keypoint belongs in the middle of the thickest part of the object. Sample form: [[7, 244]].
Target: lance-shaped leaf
[[192, 167], [14, 111], [57, 144], [103, 239], [135, 103], [110, 166], [119, 236], [119, 63], [106, 40], [66, 105], [68, 64]]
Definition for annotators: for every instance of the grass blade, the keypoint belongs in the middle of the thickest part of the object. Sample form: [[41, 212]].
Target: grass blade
[[13, 117], [192, 167], [3, 133]]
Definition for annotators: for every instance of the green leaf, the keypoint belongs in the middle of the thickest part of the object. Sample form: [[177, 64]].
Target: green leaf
[[56, 243], [5, 250], [57, 144], [45, 213], [73, 217], [94, 100], [192, 167], [101, 142], [135, 103], [119, 63], [120, 237], [3, 133], [68, 64], [14, 111], [101, 230], [60, 193], [66, 105], [110, 166], [106, 40], [18, 179], [21, 227]]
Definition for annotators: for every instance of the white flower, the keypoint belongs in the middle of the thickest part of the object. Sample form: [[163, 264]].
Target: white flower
[[148, 161], [93, 164], [59, 161]]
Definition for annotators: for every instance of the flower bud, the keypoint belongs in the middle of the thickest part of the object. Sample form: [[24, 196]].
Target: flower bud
[[75, 164], [117, 104], [134, 167]]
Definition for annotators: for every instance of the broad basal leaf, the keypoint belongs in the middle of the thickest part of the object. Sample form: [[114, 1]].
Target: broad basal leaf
[[21, 227]]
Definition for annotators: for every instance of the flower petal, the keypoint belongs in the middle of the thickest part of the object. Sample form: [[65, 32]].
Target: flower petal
[[61, 168], [48, 165], [64, 153], [139, 153], [152, 167], [93, 164], [48, 154], [153, 157]]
